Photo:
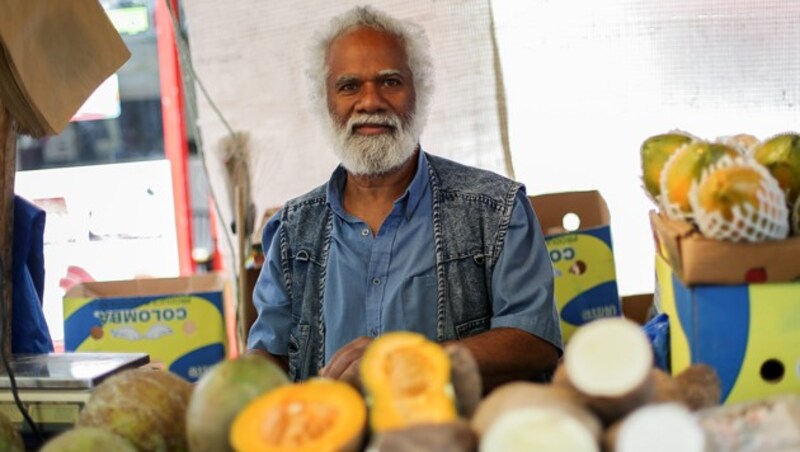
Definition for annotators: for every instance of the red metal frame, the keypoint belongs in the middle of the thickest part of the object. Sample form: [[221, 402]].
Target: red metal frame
[[176, 147]]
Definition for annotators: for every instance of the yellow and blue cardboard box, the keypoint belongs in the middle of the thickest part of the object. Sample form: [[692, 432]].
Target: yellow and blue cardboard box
[[733, 306], [749, 333], [179, 322], [582, 255]]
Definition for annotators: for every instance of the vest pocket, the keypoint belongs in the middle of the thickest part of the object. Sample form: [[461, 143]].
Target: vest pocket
[[298, 344], [473, 327]]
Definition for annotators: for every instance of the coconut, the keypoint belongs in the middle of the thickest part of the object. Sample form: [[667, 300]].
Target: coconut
[[221, 393], [88, 438], [739, 200], [146, 407]]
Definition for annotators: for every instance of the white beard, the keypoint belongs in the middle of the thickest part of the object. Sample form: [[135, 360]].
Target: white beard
[[373, 155]]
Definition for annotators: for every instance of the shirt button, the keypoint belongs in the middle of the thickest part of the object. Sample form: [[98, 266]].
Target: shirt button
[[365, 232], [373, 332], [376, 281]]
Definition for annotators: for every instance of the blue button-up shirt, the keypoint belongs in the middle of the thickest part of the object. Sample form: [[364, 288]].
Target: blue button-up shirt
[[387, 282]]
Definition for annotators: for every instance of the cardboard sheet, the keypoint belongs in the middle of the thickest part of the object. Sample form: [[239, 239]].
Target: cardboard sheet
[[53, 54]]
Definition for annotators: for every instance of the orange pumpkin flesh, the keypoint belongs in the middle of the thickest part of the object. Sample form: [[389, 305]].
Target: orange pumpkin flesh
[[318, 415], [407, 379]]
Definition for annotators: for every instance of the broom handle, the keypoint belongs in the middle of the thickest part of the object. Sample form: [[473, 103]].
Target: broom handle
[[241, 234]]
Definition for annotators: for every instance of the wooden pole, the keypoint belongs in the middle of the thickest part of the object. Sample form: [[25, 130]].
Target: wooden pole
[[8, 158]]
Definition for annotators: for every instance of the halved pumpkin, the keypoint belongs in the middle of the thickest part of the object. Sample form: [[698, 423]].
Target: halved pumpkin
[[407, 380], [317, 415]]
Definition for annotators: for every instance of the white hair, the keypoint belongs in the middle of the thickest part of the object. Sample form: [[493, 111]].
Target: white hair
[[411, 36]]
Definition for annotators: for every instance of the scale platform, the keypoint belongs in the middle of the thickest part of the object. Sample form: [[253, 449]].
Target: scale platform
[[54, 387]]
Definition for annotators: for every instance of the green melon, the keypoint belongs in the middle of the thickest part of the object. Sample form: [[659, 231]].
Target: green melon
[[781, 155], [146, 407], [683, 169], [88, 438], [654, 152], [220, 395]]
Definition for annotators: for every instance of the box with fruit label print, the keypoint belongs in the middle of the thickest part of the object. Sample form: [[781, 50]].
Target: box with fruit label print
[[749, 333], [578, 235], [179, 322]]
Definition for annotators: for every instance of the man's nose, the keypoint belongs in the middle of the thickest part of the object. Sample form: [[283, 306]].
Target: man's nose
[[371, 100]]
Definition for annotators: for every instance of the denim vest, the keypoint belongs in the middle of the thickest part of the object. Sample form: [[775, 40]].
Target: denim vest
[[471, 213]]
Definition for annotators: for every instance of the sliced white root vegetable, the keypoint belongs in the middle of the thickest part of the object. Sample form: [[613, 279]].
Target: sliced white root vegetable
[[664, 427], [542, 429], [610, 361], [608, 357], [520, 394]]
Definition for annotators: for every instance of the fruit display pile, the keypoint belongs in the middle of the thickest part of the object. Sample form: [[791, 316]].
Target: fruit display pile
[[737, 188], [413, 394]]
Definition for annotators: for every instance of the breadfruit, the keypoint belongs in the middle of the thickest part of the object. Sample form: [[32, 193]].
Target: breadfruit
[[10, 439], [146, 407], [88, 438]]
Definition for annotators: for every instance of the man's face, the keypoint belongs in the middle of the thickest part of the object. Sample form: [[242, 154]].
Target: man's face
[[371, 100]]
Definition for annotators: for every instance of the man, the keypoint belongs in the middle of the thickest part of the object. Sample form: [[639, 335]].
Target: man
[[399, 239]]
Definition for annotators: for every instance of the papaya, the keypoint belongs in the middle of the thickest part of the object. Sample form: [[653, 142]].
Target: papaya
[[146, 407], [407, 379], [88, 438], [221, 393], [684, 168], [781, 155], [318, 415], [739, 200], [654, 153]]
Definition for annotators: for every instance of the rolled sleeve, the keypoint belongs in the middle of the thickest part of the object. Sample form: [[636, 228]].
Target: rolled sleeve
[[522, 281], [270, 331]]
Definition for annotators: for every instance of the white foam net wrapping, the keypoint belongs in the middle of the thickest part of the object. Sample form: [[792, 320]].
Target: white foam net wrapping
[[767, 221]]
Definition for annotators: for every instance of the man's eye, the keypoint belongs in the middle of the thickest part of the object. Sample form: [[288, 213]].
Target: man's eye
[[392, 82], [348, 87]]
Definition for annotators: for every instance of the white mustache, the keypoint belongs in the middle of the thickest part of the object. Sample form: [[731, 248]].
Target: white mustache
[[377, 119]]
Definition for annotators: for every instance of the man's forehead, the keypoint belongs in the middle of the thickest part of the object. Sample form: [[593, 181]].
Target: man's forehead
[[366, 39]]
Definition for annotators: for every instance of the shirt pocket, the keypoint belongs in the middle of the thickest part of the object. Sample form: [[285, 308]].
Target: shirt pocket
[[420, 297]]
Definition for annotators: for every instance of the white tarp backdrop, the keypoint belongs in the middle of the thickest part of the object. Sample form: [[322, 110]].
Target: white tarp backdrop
[[250, 55]]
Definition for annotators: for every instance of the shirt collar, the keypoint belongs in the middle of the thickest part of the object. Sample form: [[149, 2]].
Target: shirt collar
[[410, 198]]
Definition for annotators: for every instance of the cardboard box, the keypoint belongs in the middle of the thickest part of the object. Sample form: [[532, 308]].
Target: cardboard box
[[700, 260], [179, 322], [749, 333], [583, 258], [637, 307]]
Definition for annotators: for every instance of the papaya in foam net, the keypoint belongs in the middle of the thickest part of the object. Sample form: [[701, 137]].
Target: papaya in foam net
[[739, 200], [683, 169], [781, 156], [654, 153]]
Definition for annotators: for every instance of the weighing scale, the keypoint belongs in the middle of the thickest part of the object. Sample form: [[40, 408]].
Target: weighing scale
[[54, 387]]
